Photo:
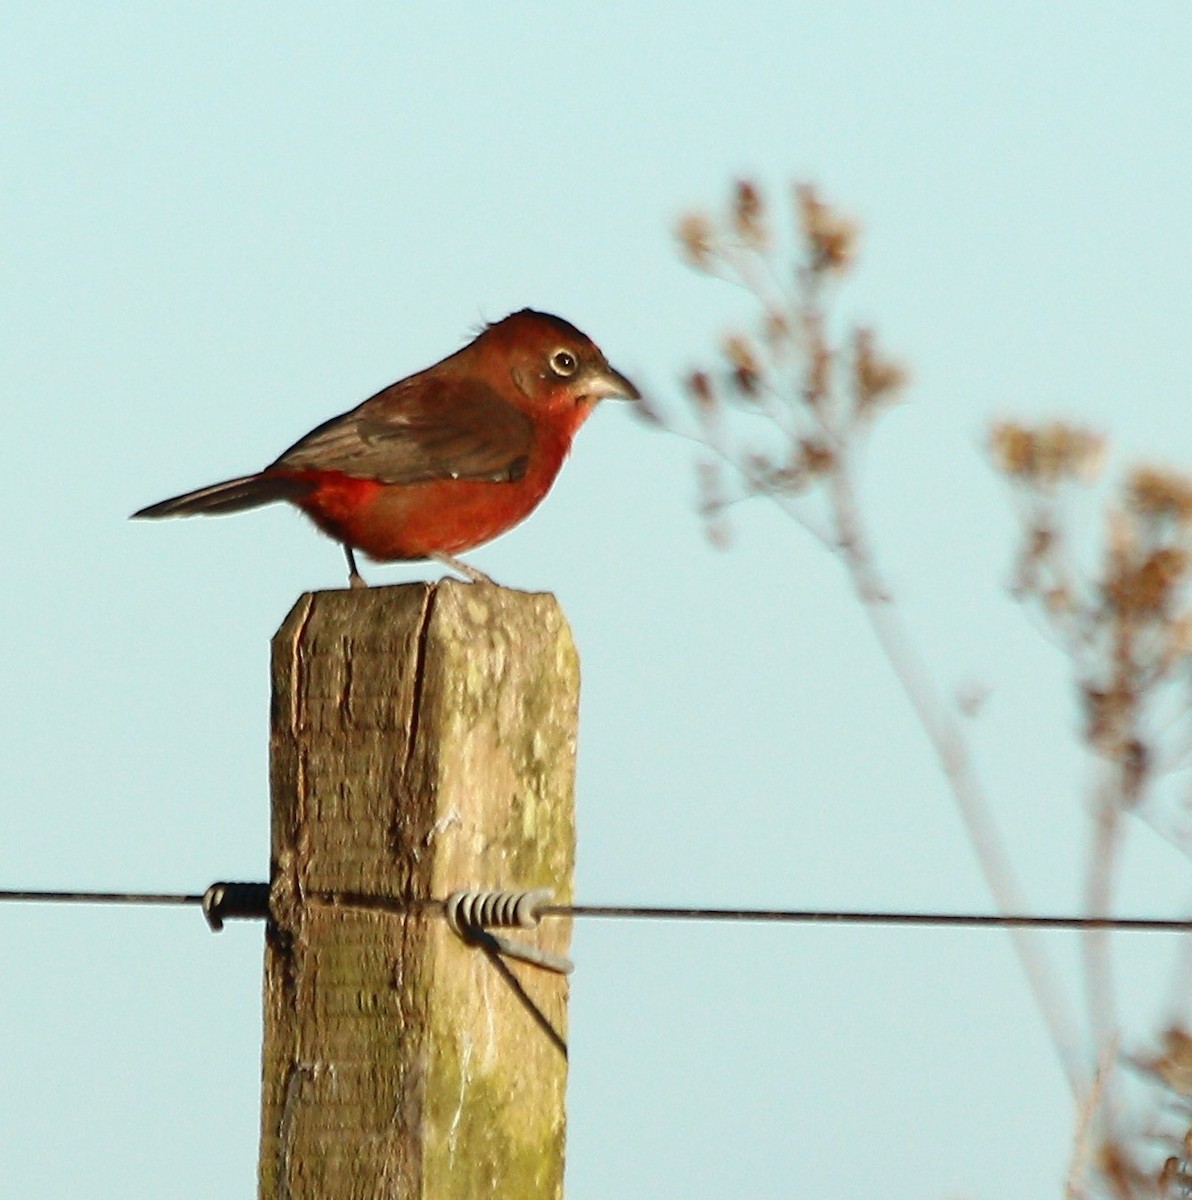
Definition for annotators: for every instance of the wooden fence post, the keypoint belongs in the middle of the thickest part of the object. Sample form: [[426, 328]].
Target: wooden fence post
[[423, 740]]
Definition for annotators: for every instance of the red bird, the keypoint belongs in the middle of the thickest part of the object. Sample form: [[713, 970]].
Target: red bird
[[443, 461]]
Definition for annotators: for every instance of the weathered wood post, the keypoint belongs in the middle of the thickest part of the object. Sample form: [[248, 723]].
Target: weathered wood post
[[423, 740]]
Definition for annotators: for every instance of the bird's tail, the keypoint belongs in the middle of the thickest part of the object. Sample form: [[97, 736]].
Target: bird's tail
[[233, 495]]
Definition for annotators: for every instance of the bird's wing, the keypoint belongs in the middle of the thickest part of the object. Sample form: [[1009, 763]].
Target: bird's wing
[[421, 429]]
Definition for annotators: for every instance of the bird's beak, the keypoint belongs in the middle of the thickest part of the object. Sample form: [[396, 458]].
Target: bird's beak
[[604, 384]]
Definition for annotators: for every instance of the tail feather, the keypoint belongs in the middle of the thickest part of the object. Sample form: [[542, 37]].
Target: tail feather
[[233, 495]]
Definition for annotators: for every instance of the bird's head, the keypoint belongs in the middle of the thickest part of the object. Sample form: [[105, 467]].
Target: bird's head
[[555, 367]]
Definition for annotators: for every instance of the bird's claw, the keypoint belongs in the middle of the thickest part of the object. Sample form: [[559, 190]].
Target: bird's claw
[[355, 579], [470, 573]]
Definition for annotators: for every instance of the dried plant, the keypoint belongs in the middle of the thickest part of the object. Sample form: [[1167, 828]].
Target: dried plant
[[1125, 622], [782, 413]]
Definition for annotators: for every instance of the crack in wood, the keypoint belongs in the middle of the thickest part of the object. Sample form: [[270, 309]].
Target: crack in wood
[[420, 649]]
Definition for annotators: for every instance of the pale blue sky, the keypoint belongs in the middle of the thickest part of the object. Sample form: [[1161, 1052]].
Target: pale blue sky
[[222, 224]]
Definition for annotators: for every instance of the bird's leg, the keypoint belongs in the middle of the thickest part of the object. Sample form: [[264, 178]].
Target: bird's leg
[[355, 579], [468, 572]]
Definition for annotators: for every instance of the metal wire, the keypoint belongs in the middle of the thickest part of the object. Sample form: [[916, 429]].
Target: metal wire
[[852, 917], [41, 897], [662, 912]]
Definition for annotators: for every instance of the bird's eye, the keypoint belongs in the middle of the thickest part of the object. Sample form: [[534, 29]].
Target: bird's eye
[[564, 363]]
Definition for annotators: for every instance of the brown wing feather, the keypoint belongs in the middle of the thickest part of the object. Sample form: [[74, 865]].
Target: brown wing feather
[[421, 429]]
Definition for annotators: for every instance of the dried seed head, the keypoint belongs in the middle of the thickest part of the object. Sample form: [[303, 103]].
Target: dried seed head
[[816, 457], [743, 362], [712, 503], [739, 351], [831, 237], [696, 237], [1174, 1064], [1042, 538], [759, 471], [699, 388], [1029, 570], [790, 478], [1058, 600], [1135, 761], [719, 532], [1159, 492], [874, 378], [1086, 452], [749, 214], [1109, 714], [1146, 589], [776, 329], [1047, 453], [1012, 449], [818, 382]]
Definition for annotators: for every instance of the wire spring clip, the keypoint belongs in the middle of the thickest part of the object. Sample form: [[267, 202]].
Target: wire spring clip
[[472, 915]]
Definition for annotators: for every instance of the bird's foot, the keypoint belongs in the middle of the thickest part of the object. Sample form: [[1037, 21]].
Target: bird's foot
[[470, 573], [355, 579]]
